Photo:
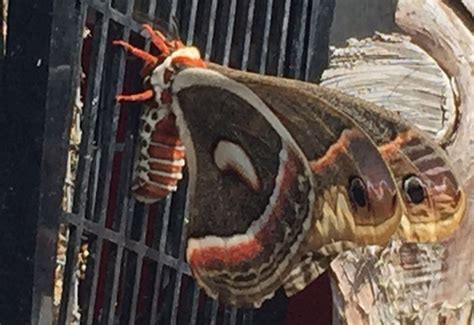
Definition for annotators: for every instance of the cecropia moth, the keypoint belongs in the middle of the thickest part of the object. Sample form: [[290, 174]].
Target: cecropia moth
[[284, 174]]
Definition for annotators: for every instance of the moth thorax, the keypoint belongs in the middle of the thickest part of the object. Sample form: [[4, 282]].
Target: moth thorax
[[188, 51], [162, 76]]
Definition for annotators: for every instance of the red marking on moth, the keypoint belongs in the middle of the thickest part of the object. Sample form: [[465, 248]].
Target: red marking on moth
[[165, 180], [167, 75], [235, 254], [190, 62], [149, 191], [166, 133], [140, 97], [165, 153], [336, 149], [389, 149], [166, 97], [165, 168], [167, 125], [166, 138]]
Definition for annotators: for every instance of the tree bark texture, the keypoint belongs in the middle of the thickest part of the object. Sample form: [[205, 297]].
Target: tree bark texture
[[428, 78]]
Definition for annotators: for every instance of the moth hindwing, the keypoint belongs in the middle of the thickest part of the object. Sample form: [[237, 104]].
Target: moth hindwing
[[250, 192], [434, 201]]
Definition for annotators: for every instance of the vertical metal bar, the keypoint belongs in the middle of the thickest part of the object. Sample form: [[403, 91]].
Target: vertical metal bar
[[116, 276], [68, 276], [194, 309], [159, 268], [214, 308], [174, 8], [249, 319], [284, 37], [138, 268], [175, 305], [180, 269], [164, 233], [93, 292], [266, 35], [230, 33], [156, 293], [312, 37], [93, 181], [300, 41], [248, 35], [192, 23], [151, 8], [212, 24], [233, 316]]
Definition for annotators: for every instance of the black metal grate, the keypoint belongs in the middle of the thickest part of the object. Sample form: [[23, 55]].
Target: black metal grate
[[136, 273]]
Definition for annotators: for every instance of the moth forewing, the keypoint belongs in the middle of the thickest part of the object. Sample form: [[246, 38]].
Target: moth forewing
[[242, 241]]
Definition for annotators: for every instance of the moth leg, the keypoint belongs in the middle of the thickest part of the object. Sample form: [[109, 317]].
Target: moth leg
[[158, 39], [145, 56], [140, 97], [176, 44]]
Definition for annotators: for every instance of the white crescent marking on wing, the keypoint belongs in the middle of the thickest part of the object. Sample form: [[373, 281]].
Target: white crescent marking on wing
[[231, 156]]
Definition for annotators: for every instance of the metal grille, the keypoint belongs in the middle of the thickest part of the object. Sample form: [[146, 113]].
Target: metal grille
[[136, 273]]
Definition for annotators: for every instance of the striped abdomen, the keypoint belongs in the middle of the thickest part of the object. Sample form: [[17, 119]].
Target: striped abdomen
[[161, 157]]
